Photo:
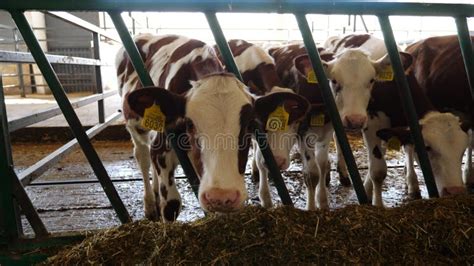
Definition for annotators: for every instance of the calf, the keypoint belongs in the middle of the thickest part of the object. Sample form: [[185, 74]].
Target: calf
[[387, 120], [314, 133], [259, 73], [438, 67]]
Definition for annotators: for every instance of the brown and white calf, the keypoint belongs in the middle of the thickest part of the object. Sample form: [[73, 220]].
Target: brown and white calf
[[314, 133], [442, 132], [438, 67], [259, 73]]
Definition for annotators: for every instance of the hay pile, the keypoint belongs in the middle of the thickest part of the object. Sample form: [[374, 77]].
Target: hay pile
[[437, 231]]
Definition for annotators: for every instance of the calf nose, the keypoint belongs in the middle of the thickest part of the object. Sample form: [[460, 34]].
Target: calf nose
[[281, 163], [355, 121], [221, 200], [448, 191]]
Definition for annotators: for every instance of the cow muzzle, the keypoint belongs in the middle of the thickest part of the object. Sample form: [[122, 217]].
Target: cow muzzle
[[451, 191], [354, 122], [221, 200]]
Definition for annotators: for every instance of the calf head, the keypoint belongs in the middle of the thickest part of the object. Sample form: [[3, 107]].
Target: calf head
[[445, 142], [352, 75], [283, 139], [217, 111]]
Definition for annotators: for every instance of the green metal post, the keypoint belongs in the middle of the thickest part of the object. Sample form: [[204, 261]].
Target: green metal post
[[146, 80], [275, 174], [98, 77], [407, 103], [70, 115], [465, 42], [331, 105], [131, 48], [8, 222], [223, 45], [226, 53]]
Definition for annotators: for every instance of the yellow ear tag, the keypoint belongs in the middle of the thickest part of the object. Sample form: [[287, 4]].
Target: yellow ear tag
[[317, 120], [386, 74], [154, 119], [394, 143], [311, 78], [278, 119]]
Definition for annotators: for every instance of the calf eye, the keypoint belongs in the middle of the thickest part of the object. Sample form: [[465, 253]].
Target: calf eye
[[372, 81], [428, 148], [333, 81]]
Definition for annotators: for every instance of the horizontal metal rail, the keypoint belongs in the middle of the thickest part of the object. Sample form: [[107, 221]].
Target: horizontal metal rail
[[49, 113], [22, 57], [74, 20], [31, 173], [123, 180], [249, 6]]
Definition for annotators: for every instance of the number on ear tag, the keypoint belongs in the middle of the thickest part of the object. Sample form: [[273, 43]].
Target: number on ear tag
[[317, 120], [394, 143], [154, 119], [278, 119], [386, 74], [311, 77]]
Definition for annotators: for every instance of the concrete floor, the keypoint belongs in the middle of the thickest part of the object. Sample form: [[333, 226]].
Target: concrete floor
[[85, 206]]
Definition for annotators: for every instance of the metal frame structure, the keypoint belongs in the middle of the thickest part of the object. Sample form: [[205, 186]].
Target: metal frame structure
[[9, 233]]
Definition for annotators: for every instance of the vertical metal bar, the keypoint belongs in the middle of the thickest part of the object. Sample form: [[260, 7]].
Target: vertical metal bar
[[407, 103], [98, 76], [8, 222], [331, 106], [19, 66], [146, 80], [363, 23], [131, 48], [70, 115], [183, 158], [27, 207], [275, 174], [222, 44], [466, 50], [226, 53]]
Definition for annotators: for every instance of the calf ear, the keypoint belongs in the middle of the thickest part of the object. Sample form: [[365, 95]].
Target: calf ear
[[172, 105], [294, 104], [402, 133], [465, 125], [383, 62], [303, 63]]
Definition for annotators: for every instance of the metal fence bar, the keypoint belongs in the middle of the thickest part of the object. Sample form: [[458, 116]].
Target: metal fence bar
[[223, 45], [465, 42], [22, 57], [74, 20], [226, 53], [98, 77], [331, 106], [8, 222], [146, 80], [49, 113], [70, 115], [33, 172], [407, 104], [369, 7], [27, 207]]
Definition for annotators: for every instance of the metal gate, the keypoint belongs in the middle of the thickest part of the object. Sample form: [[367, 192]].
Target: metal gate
[[11, 192]]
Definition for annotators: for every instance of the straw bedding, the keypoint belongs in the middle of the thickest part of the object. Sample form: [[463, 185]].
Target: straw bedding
[[439, 231]]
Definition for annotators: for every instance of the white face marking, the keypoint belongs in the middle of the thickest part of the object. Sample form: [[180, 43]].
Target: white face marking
[[251, 58], [214, 105], [353, 72], [446, 143]]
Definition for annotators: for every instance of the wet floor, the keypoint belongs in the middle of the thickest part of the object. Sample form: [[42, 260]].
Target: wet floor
[[85, 206]]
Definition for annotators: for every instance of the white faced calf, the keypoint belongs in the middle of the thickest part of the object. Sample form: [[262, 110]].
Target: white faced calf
[[212, 116]]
